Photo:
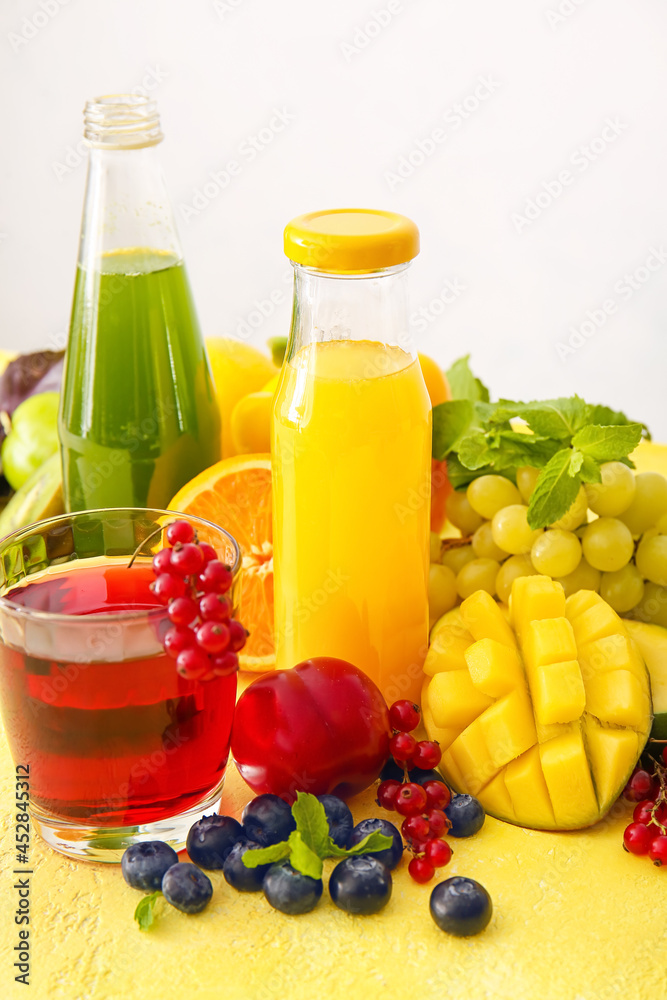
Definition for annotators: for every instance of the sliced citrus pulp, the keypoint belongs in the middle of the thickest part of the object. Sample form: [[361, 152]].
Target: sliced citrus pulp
[[236, 495]]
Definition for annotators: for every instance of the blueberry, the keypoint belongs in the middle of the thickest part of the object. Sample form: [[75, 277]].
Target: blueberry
[[186, 887], [235, 872], [211, 839], [421, 777], [268, 820], [339, 818], [143, 865], [461, 906], [291, 892], [466, 815], [360, 885], [390, 856]]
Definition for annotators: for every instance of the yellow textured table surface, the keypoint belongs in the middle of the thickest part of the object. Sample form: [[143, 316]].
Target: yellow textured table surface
[[575, 918]]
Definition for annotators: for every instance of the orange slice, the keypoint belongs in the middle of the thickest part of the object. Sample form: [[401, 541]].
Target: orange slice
[[236, 495]]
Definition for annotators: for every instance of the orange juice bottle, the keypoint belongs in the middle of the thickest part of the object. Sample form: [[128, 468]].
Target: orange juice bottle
[[351, 443]]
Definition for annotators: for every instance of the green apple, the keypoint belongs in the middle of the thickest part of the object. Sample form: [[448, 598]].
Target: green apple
[[32, 439]]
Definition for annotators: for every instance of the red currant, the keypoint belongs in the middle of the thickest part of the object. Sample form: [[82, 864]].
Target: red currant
[[225, 664], [437, 822], [177, 639], [186, 560], [208, 552], [215, 608], [182, 611], [664, 756], [640, 786], [215, 578], [410, 799], [427, 755], [237, 635], [162, 561], [642, 811], [404, 716], [402, 746], [213, 637], [180, 532], [193, 663], [658, 850], [421, 871], [387, 793], [168, 587], [415, 828], [438, 795], [637, 838], [438, 853]]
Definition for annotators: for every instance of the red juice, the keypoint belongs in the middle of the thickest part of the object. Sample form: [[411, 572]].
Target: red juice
[[113, 735]]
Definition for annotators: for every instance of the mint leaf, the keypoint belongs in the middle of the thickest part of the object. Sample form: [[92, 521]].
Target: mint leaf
[[554, 491], [576, 461], [267, 855], [463, 384], [304, 858], [450, 421], [145, 911], [375, 841], [590, 471], [458, 475], [608, 443], [551, 418], [474, 451], [311, 822]]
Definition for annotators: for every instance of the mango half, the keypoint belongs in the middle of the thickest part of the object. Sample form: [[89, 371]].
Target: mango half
[[541, 713]]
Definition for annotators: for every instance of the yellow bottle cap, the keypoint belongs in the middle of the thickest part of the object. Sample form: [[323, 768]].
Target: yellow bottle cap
[[346, 240]]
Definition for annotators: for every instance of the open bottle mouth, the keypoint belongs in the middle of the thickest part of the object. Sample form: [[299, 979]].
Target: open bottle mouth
[[122, 121]]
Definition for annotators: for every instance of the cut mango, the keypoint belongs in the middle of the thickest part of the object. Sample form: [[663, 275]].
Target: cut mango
[[495, 669], [447, 650], [483, 618], [545, 732], [454, 701], [569, 782]]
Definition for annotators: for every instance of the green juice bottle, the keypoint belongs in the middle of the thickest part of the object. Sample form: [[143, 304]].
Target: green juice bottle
[[138, 415]]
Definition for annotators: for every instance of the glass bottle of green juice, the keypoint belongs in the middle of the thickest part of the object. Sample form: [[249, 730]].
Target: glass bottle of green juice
[[138, 415]]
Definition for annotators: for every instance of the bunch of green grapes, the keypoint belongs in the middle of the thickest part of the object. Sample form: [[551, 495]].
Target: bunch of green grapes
[[612, 540]]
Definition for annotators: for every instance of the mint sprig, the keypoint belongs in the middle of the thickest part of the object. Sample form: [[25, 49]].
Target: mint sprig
[[145, 911], [567, 438], [311, 842]]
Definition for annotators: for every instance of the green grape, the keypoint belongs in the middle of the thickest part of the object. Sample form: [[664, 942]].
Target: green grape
[[512, 568], [622, 589], [614, 494], [478, 574], [608, 544], [651, 557], [457, 557], [585, 577], [556, 552], [653, 606], [576, 513], [461, 514], [442, 594], [511, 531], [436, 547], [32, 439], [526, 477], [649, 503], [661, 524], [488, 494], [484, 546]]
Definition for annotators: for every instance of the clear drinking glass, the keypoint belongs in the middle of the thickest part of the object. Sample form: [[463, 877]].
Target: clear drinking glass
[[118, 746]]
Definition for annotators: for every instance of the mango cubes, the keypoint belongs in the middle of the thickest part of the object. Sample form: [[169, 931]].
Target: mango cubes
[[541, 714]]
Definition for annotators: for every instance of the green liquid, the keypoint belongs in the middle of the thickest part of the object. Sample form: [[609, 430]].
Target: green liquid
[[139, 417]]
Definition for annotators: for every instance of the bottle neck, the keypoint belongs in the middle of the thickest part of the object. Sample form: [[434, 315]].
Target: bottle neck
[[367, 307], [126, 205]]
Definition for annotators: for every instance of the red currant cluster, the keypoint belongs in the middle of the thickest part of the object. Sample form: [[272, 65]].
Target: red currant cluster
[[191, 581], [423, 806], [647, 834]]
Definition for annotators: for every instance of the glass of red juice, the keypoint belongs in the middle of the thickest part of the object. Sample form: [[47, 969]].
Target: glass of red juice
[[116, 746]]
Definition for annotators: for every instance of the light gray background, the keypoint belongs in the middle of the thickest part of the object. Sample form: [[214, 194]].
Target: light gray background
[[355, 98]]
